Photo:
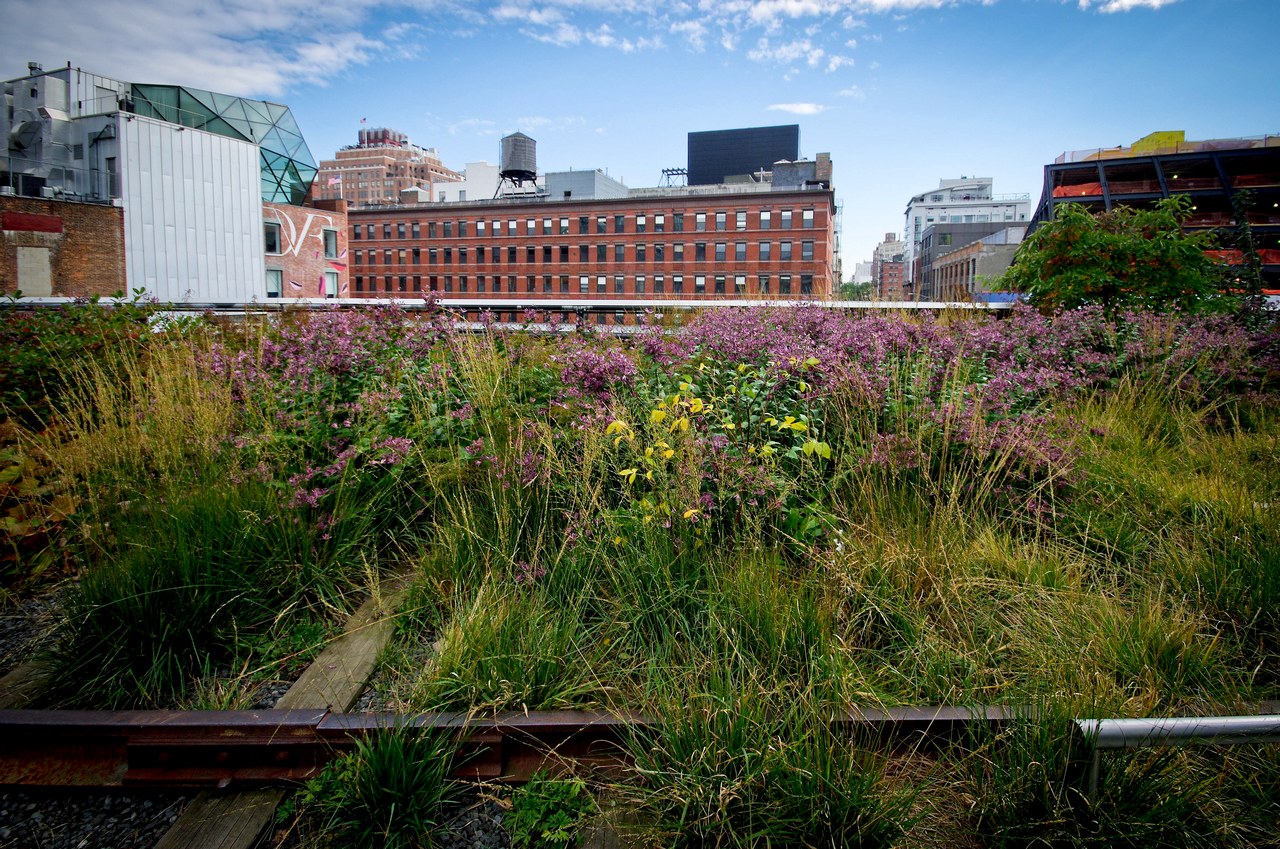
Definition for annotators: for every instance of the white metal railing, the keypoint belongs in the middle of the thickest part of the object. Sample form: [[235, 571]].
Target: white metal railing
[[1111, 734]]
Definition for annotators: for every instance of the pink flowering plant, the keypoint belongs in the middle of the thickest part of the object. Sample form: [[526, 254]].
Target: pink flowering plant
[[836, 508]]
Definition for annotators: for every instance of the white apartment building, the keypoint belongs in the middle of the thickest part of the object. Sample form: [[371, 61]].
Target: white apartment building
[[958, 201]]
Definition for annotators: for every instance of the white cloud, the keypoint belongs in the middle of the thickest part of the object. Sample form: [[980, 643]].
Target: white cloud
[[694, 32], [787, 52], [1109, 6], [233, 46], [528, 15], [898, 5], [262, 48], [549, 124], [561, 35], [853, 92], [476, 126], [798, 108]]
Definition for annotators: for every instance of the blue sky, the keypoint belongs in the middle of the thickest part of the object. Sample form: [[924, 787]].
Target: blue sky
[[900, 92]]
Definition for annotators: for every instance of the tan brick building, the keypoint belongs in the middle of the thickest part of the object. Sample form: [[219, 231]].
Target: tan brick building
[[375, 170]]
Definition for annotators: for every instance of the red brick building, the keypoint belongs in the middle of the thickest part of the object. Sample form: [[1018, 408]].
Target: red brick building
[[56, 248], [886, 269], [684, 245], [306, 250], [890, 286]]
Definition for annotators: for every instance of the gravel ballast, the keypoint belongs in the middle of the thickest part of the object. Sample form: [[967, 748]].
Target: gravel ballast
[[84, 819], [22, 625]]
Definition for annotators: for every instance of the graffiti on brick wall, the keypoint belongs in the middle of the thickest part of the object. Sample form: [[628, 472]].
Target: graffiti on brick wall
[[302, 236], [293, 238]]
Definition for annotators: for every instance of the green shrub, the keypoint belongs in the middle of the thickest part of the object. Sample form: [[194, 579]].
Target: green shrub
[[41, 347], [549, 812]]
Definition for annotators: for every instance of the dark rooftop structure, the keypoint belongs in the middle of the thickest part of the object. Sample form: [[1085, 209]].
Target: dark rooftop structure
[[717, 155]]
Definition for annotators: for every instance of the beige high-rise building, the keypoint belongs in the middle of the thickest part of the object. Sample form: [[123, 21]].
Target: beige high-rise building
[[374, 171]]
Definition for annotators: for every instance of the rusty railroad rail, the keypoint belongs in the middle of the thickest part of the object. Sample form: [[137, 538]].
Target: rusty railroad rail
[[259, 748]]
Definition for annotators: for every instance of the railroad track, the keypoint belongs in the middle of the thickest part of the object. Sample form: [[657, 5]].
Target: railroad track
[[261, 748], [244, 760]]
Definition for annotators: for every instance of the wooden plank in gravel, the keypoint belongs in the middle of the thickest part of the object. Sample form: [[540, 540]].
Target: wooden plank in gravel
[[216, 820], [613, 828], [236, 820], [336, 678], [20, 686]]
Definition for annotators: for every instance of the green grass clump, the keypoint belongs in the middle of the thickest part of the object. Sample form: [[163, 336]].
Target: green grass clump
[[511, 651], [737, 764], [188, 582], [393, 791], [1031, 788]]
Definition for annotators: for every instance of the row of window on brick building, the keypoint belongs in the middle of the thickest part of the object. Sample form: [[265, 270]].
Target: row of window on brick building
[[641, 284], [551, 226], [547, 254]]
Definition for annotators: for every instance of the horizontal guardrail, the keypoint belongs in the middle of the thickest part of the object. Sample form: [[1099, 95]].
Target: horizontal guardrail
[[519, 304], [1113, 734]]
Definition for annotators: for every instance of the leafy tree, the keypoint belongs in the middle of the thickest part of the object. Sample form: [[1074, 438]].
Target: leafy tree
[[1247, 277], [851, 291], [1127, 257]]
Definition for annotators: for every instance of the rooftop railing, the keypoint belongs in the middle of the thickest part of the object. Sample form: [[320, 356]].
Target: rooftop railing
[[28, 178], [1207, 146]]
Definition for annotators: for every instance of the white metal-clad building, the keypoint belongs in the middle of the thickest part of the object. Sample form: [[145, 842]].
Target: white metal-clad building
[[190, 168]]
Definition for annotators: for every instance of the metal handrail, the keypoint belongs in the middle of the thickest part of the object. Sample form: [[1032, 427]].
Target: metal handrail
[[1110, 734]]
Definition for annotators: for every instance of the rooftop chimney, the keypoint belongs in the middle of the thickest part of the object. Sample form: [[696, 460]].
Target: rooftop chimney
[[34, 68]]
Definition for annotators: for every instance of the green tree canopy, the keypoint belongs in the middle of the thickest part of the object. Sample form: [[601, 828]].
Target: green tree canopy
[[1122, 258]]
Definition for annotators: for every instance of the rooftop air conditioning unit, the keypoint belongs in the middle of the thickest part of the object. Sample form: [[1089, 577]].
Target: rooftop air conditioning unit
[[48, 192], [7, 190]]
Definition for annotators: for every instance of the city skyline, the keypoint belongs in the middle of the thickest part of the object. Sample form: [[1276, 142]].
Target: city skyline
[[902, 93]]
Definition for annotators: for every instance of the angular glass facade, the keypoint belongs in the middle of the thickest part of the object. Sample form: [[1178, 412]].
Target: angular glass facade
[[288, 168]]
